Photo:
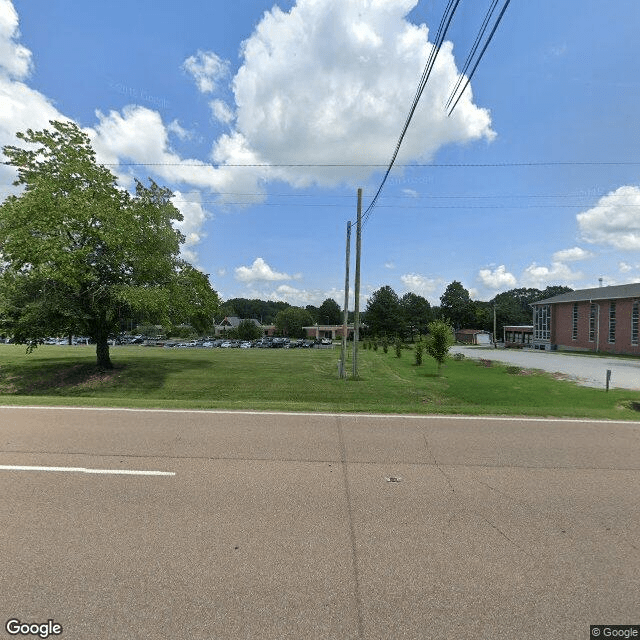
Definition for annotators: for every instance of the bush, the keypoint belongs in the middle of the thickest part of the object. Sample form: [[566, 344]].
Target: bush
[[419, 350], [398, 347]]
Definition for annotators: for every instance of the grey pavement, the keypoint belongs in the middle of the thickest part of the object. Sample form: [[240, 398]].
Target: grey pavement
[[586, 370], [287, 526]]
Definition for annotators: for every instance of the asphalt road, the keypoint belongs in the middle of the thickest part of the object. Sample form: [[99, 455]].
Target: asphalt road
[[286, 526], [586, 370]]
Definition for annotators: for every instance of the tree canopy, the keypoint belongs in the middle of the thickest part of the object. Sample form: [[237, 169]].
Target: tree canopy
[[77, 250], [383, 315], [290, 322], [329, 312], [456, 305]]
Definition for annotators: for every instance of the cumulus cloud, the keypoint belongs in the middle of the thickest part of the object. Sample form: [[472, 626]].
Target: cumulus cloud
[[260, 271], [175, 128], [207, 69], [571, 255], [539, 276], [194, 217], [499, 278], [15, 59], [326, 74], [614, 221], [422, 285], [221, 111]]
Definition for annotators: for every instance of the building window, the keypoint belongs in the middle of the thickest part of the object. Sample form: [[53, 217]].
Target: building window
[[634, 323], [592, 323], [574, 331], [542, 323], [612, 322]]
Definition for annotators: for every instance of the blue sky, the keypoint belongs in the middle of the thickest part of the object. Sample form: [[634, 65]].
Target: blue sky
[[184, 92]]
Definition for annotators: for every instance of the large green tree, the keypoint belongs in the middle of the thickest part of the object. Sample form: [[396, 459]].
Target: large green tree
[[329, 312], [290, 322], [77, 249], [417, 313], [384, 315], [456, 306]]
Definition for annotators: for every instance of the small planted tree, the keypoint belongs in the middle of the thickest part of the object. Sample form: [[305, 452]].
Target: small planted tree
[[398, 347], [419, 350], [439, 341]]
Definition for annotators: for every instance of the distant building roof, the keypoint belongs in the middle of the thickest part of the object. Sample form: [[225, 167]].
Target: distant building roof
[[234, 322], [597, 293], [471, 331]]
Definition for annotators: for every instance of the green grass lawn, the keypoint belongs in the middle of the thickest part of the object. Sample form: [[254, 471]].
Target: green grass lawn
[[294, 380]]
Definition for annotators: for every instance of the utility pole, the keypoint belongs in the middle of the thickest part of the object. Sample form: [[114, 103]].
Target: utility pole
[[345, 326], [356, 312], [495, 337]]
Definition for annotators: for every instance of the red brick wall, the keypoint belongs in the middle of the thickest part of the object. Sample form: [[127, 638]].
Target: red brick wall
[[562, 327]]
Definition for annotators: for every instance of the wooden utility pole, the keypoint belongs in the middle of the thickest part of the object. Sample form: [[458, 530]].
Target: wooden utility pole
[[356, 311], [345, 325]]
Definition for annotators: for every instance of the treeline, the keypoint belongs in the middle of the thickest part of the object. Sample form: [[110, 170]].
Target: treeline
[[266, 311], [406, 317], [387, 314]]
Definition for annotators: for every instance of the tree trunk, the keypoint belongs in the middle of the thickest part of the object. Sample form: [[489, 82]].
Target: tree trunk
[[102, 353]]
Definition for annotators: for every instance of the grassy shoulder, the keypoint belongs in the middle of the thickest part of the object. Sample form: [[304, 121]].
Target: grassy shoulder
[[295, 380]]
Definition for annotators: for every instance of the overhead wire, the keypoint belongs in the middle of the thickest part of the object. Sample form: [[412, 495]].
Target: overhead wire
[[495, 26], [445, 22], [473, 50]]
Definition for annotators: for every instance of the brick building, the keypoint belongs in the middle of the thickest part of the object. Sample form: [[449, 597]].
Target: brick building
[[601, 319]]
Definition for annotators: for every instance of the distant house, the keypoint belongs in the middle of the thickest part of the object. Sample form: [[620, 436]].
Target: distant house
[[473, 336], [233, 322], [599, 319]]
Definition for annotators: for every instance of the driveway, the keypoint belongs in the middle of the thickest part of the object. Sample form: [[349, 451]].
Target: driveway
[[589, 371]]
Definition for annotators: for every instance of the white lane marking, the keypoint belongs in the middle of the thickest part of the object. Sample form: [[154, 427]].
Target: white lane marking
[[123, 472], [395, 416]]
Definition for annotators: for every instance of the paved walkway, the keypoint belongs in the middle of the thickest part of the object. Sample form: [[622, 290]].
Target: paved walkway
[[590, 371]]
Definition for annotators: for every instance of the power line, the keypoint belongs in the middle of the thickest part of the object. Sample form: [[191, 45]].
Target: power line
[[440, 36], [495, 26], [472, 53]]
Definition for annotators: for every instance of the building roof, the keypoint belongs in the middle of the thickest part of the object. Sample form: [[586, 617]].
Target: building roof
[[234, 322], [615, 292], [471, 331]]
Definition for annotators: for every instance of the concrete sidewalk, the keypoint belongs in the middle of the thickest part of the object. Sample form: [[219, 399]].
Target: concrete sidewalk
[[590, 371]]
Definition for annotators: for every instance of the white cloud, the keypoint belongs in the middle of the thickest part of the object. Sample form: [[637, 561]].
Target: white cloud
[[194, 218], [499, 278], [221, 111], [422, 285], [624, 267], [540, 277], [614, 221], [389, 265], [175, 128], [412, 193], [260, 271], [15, 59], [571, 255], [328, 74], [207, 70]]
